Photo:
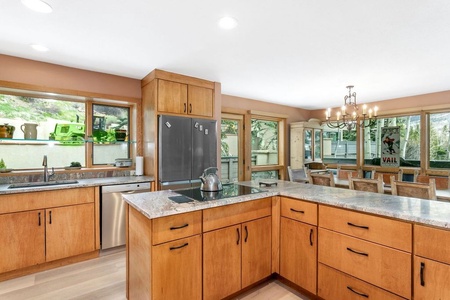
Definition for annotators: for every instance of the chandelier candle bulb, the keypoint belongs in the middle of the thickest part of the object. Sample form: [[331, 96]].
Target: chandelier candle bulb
[[375, 111], [343, 110], [364, 109], [338, 115], [370, 113]]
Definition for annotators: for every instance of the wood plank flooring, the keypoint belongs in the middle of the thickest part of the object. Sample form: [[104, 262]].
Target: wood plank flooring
[[103, 278]]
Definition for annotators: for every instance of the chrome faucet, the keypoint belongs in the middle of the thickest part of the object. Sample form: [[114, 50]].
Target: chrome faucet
[[47, 174]]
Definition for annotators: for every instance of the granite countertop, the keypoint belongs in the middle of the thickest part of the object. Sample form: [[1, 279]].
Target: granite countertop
[[428, 212], [81, 183]]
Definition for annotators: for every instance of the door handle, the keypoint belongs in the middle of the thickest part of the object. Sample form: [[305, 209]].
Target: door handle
[[178, 247], [50, 217], [422, 271], [39, 217], [246, 233], [358, 226], [179, 227], [190, 107], [184, 110], [311, 237], [358, 293], [298, 211], [238, 236], [357, 252]]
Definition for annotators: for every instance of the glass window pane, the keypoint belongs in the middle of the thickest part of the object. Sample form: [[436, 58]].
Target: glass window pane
[[339, 145], [317, 145], [229, 150], [308, 145], [49, 127], [409, 140], [264, 142], [439, 140], [265, 175], [110, 133]]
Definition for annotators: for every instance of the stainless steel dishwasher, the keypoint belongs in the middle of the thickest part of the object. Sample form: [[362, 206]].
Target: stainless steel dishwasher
[[113, 212]]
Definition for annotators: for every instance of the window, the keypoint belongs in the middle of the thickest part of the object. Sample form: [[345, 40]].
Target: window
[[55, 125], [339, 145], [409, 140], [267, 134], [439, 134]]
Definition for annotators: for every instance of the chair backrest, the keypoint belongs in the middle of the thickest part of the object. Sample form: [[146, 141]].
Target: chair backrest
[[367, 185], [297, 175], [414, 189], [321, 179], [442, 182], [387, 173], [344, 171]]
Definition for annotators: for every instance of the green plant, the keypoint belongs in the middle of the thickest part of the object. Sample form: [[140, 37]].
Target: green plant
[[2, 164], [75, 164]]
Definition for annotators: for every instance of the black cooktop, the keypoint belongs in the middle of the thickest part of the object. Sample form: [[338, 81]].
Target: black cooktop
[[229, 190]]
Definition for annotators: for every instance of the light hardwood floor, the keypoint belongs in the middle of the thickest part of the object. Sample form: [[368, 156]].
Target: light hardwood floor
[[103, 278]]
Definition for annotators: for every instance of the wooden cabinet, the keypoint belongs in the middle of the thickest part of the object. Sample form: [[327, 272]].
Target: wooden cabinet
[[69, 231], [164, 256], [176, 269], [306, 143], [180, 98], [41, 227], [236, 247], [363, 247], [23, 240], [431, 263], [298, 243]]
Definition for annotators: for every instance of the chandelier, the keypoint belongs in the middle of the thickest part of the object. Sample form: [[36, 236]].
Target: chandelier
[[348, 115]]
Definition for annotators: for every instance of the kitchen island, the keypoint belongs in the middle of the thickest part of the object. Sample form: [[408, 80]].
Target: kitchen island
[[283, 213]]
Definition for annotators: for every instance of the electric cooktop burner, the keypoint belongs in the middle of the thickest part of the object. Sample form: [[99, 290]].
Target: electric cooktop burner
[[229, 190]]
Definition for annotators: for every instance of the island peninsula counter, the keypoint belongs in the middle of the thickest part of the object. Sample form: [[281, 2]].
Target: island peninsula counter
[[300, 232]]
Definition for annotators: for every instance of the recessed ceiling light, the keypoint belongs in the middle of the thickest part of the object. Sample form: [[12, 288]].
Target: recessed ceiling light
[[39, 48], [38, 5], [227, 23]]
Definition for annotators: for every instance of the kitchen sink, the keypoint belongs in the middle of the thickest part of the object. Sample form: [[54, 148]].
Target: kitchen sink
[[41, 183]]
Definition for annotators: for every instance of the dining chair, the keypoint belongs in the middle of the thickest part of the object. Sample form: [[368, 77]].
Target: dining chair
[[414, 189], [298, 175], [387, 173], [367, 185], [442, 181], [343, 171], [321, 179]]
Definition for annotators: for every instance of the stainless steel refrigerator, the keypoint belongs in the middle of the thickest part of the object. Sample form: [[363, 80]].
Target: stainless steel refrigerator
[[187, 146]]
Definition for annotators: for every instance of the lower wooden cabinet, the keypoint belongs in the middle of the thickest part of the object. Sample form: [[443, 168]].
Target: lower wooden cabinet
[[431, 263], [235, 257], [176, 270], [298, 253], [69, 231], [22, 237], [335, 285]]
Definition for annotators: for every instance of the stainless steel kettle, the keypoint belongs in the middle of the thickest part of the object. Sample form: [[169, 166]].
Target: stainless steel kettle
[[210, 180]]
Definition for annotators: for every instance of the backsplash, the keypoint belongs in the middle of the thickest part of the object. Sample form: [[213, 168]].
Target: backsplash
[[17, 178]]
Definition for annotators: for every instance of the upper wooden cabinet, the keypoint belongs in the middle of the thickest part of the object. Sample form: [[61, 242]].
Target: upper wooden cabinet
[[178, 94]]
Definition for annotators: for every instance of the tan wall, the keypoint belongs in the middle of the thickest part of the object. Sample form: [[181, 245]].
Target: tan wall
[[405, 104], [60, 79]]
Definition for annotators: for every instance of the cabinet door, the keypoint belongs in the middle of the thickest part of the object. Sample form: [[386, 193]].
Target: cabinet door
[[256, 250], [200, 101], [70, 231], [22, 237], [317, 145], [298, 253], [172, 97], [177, 269], [308, 144], [431, 279], [222, 262]]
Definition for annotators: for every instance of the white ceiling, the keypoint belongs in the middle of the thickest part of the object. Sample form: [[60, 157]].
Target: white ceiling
[[293, 52]]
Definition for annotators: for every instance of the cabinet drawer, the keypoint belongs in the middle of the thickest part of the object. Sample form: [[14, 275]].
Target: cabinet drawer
[[384, 267], [45, 199], [228, 215], [299, 210], [380, 230], [336, 285], [432, 243], [176, 227], [431, 279]]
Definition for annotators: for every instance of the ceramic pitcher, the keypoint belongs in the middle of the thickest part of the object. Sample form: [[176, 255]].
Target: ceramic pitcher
[[29, 131]]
